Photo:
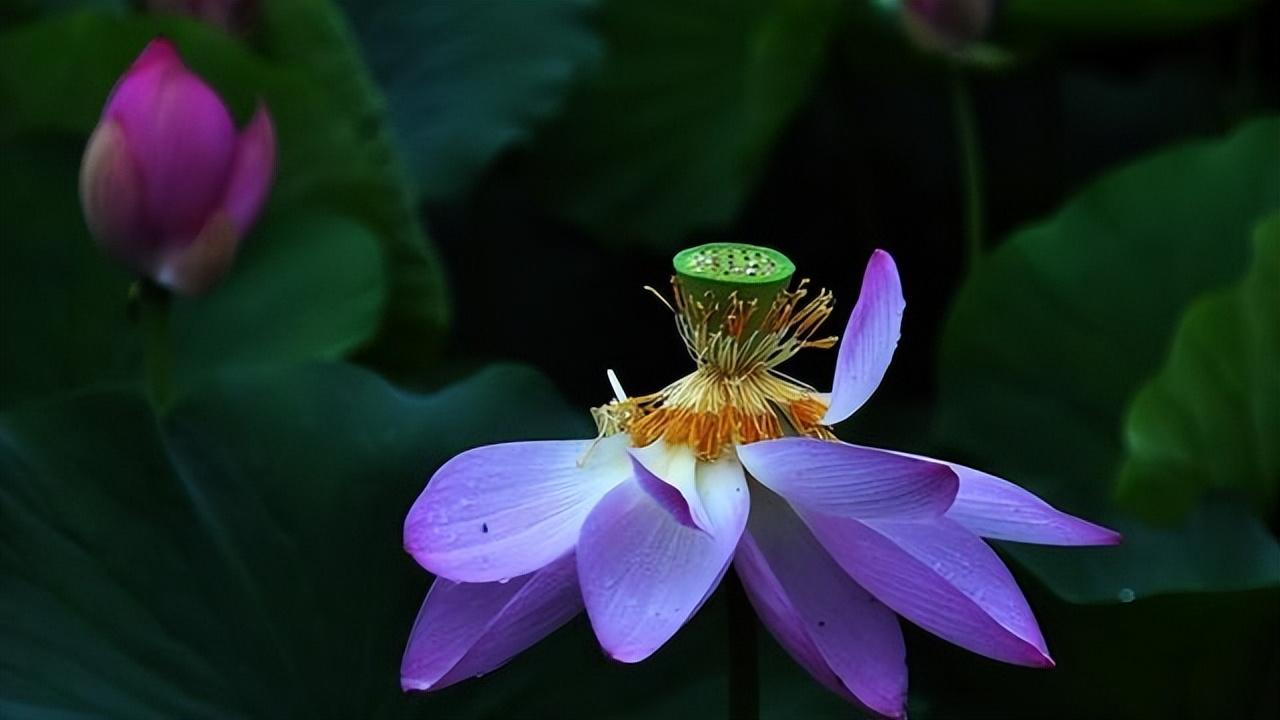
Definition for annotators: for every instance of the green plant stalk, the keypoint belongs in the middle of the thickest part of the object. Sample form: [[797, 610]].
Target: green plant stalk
[[153, 315], [744, 669], [966, 126]]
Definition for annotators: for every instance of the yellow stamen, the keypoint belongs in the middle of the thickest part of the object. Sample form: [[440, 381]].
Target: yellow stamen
[[735, 394]]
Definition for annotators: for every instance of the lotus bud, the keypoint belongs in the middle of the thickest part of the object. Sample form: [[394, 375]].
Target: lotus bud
[[167, 185]]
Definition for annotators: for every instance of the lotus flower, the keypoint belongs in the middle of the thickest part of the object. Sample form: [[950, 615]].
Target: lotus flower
[[168, 187], [732, 463]]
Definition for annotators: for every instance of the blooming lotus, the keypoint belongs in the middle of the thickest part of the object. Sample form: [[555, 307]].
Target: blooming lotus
[[734, 463], [168, 186]]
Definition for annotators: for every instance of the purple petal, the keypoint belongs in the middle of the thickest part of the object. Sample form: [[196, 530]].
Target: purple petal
[[846, 638], [502, 511], [466, 629], [181, 136], [643, 572], [941, 577], [776, 612], [252, 169], [665, 495], [837, 478], [995, 508], [675, 466], [869, 340]]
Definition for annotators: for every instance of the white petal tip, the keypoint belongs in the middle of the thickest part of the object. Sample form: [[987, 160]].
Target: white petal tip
[[412, 685]]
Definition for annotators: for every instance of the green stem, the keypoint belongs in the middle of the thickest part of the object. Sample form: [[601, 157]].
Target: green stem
[[966, 124], [153, 307], [744, 673]]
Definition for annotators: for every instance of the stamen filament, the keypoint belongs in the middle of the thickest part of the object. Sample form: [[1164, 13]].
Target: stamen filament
[[735, 394]]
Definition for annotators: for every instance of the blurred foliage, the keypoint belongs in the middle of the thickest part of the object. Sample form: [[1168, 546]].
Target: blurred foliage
[[467, 80], [1049, 341], [240, 556], [1210, 420], [1037, 388], [74, 330], [669, 136]]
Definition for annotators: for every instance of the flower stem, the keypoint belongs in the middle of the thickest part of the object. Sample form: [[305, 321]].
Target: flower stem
[[153, 307], [744, 673], [966, 125]]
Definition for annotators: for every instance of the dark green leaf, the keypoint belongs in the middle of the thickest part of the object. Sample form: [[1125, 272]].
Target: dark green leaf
[[310, 285], [1210, 420], [62, 303], [466, 80], [671, 134], [243, 559], [1054, 333]]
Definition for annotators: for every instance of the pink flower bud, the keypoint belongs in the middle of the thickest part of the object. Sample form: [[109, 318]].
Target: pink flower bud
[[168, 187], [946, 25]]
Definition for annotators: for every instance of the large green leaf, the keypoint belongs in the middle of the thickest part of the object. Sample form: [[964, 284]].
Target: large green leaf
[[1210, 420], [62, 304], [669, 137], [241, 559], [310, 286], [466, 80], [334, 153], [1053, 334]]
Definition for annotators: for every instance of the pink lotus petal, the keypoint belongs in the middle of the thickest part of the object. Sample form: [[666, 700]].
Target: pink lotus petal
[[941, 577], [867, 346], [846, 638], [837, 478], [194, 268], [502, 511], [111, 194], [468, 629], [643, 572], [252, 170], [181, 136], [141, 81]]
